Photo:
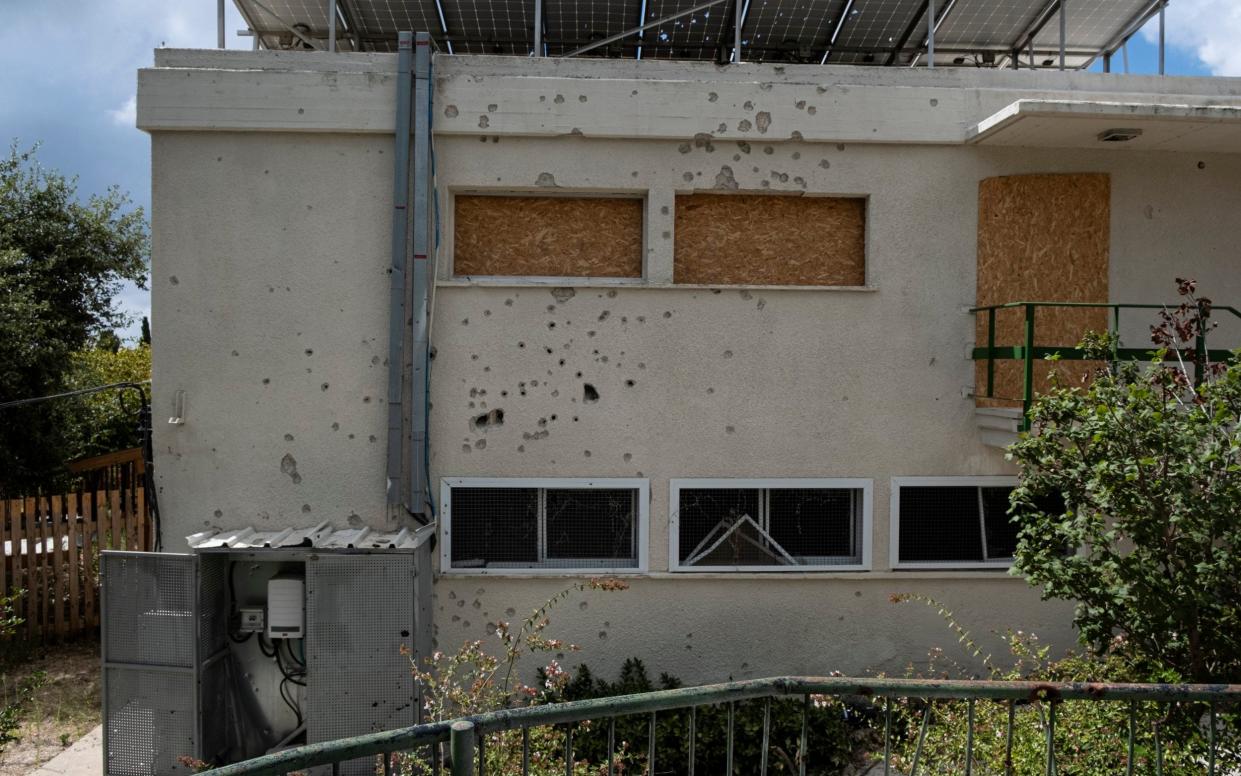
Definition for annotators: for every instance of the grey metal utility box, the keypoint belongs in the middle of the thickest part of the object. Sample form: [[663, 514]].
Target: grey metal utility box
[[176, 687], [164, 647]]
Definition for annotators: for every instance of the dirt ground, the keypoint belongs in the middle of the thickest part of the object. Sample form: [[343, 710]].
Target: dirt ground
[[64, 708]]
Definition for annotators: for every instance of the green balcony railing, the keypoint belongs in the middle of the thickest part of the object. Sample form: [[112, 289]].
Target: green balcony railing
[[1027, 352], [466, 737]]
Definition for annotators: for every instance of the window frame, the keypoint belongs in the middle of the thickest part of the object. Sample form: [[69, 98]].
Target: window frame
[[865, 485], [976, 481], [641, 523]]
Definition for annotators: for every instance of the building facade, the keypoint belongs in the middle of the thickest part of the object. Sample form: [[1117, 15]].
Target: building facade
[[707, 328]]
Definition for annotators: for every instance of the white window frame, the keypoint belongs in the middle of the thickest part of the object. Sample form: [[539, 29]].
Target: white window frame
[[641, 527], [976, 481], [866, 486]]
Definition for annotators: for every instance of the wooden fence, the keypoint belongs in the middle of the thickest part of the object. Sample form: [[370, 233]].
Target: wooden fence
[[51, 548]]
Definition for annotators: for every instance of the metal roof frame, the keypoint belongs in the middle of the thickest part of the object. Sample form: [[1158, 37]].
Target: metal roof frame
[[883, 32]]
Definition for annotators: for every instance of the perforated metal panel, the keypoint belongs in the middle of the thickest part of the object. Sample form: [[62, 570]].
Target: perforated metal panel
[[149, 721], [150, 608], [359, 612], [163, 632]]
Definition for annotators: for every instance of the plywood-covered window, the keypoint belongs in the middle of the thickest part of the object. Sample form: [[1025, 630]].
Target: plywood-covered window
[[739, 239], [508, 236]]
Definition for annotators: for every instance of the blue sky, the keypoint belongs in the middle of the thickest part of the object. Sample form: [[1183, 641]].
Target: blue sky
[[68, 70]]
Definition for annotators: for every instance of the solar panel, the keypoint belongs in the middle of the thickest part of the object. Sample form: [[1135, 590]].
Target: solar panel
[[571, 23], [873, 28], [696, 36], [773, 31], [795, 32], [985, 23], [492, 26], [1090, 23]]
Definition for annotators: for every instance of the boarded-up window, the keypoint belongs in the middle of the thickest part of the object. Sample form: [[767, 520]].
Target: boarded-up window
[[770, 240], [548, 236], [1041, 238]]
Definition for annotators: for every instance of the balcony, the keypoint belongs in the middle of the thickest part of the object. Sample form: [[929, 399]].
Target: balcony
[[1007, 377]]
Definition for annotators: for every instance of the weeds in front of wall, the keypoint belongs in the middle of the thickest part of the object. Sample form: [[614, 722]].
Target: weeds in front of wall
[[473, 680]]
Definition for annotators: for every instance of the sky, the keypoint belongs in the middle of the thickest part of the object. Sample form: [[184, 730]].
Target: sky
[[68, 71]]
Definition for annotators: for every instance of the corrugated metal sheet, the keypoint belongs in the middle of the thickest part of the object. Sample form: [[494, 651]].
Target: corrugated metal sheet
[[322, 536]]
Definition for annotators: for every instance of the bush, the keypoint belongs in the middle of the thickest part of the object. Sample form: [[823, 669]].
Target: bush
[[1090, 737], [1148, 462], [473, 681], [830, 742]]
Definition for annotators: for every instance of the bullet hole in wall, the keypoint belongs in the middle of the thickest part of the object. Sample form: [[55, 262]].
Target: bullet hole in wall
[[489, 419]]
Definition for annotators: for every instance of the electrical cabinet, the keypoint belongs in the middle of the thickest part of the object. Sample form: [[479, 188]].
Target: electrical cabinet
[[190, 673]]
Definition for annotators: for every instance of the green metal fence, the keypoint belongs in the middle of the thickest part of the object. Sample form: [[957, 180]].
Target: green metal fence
[[466, 737], [1027, 352]]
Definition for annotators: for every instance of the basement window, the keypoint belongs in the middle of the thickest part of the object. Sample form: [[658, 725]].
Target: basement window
[[957, 522], [505, 526], [770, 525]]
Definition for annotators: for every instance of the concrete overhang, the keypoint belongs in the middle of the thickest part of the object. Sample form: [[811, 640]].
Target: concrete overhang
[[1083, 124]]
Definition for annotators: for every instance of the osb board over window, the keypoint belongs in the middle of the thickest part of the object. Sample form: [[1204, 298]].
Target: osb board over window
[[743, 239], [597, 237], [1041, 238]]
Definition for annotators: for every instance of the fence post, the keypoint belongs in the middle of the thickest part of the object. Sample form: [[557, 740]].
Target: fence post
[[1027, 391], [462, 744]]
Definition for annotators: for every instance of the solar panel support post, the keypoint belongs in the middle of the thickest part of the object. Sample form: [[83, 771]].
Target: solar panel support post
[[538, 28], [930, 34], [1107, 62], [1063, 28], [219, 24], [736, 30], [1162, 6], [331, 25]]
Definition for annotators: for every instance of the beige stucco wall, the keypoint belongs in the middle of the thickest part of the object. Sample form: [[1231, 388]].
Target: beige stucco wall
[[270, 312]]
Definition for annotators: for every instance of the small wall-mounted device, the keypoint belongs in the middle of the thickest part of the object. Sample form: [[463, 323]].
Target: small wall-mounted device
[[1119, 135], [250, 619], [286, 607], [178, 409]]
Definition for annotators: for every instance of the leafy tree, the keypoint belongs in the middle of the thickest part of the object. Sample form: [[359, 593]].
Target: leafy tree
[[62, 261], [106, 421], [1149, 465]]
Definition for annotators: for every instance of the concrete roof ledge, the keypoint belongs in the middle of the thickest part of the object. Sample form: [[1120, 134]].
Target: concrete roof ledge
[[1080, 124], [489, 96]]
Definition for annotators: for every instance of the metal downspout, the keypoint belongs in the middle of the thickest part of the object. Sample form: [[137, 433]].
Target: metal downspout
[[420, 321], [396, 491]]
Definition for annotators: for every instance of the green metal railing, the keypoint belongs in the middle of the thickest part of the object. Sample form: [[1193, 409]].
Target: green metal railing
[[1028, 352], [467, 736]]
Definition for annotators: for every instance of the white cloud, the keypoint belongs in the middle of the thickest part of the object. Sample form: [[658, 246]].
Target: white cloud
[[1209, 28], [127, 114]]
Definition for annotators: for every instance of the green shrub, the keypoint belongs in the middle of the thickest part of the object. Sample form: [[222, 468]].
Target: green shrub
[[830, 739], [1147, 460], [1091, 737]]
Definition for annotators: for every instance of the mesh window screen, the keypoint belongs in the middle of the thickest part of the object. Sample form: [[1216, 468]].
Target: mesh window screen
[[1001, 531], [495, 526], [815, 525], [769, 526], [940, 523], [591, 525], [544, 528], [702, 509]]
